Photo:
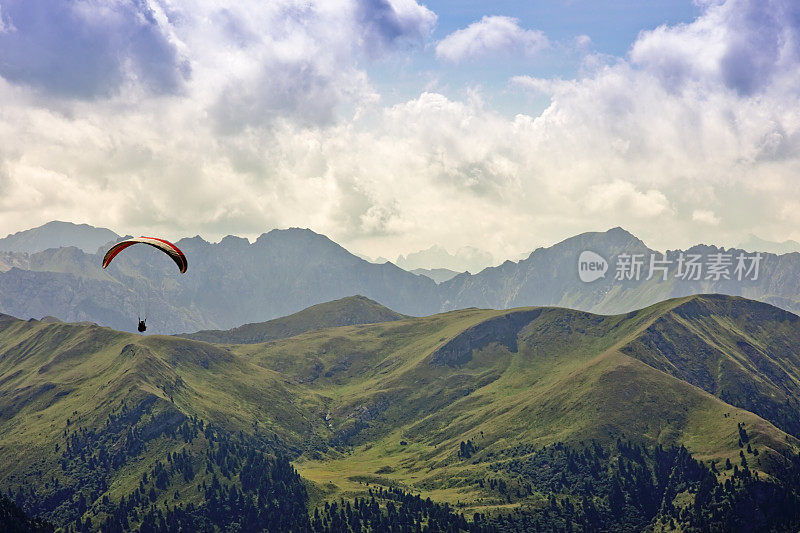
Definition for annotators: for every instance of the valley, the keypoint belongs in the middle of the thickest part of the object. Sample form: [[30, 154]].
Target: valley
[[448, 407]]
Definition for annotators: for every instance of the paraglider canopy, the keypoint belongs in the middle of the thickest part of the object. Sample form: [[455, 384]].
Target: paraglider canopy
[[165, 246]]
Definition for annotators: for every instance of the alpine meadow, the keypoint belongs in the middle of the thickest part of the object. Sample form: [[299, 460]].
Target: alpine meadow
[[399, 266]]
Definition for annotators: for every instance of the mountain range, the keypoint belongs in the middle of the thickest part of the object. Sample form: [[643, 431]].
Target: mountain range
[[236, 282], [682, 415], [57, 234], [467, 258], [439, 275], [754, 243]]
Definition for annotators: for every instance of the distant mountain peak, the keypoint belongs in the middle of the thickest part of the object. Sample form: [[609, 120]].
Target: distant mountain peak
[[466, 258], [617, 235], [609, 242], [348, 311], [619, 230], [439, 275], [233, 240], [197, 239], [58, 234], [305, 234], [754, 243]]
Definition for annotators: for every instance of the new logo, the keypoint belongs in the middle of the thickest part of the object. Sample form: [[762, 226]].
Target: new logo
[[591, 266]]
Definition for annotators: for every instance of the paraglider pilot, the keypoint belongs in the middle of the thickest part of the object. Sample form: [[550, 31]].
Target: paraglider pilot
[[165, 246]]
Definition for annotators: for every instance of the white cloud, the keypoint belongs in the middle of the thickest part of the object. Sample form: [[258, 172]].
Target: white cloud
[[546, 86], [491, 36], [746, 46], [87, 48], [705, 216], [263, 133], [385, 22], [5, 24], [108, 143], [583, 42], [683, 118], [622, 197]]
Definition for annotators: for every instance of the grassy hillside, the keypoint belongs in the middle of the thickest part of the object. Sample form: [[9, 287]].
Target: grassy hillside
[[343, 312], [743, 352], [502, 380], [86, 413], [488, 411]]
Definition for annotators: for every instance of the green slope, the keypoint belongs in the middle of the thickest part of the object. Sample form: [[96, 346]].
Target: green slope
[[741, 351], [343, 312], [554, 375], [92, 415], [86, 412]]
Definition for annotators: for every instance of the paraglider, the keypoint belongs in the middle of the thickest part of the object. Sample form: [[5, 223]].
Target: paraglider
[[165, 246]]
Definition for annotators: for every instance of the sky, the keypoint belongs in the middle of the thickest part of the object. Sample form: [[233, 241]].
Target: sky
[[392, 126]]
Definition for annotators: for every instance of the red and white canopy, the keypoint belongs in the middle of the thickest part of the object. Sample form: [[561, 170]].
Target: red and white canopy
[[165, 246]]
